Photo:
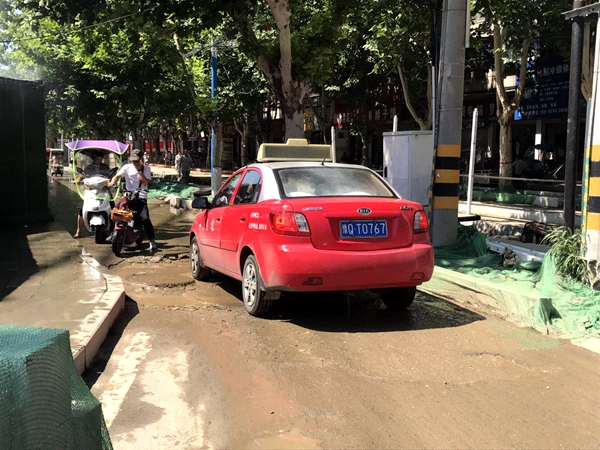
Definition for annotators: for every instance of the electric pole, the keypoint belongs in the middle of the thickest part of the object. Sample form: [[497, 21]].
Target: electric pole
[[449, 125]]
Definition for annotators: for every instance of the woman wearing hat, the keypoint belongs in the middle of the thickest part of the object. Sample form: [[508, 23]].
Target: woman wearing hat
[[137, 175]]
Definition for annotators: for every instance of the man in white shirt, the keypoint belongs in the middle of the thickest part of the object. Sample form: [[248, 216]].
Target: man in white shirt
[[137, 175]]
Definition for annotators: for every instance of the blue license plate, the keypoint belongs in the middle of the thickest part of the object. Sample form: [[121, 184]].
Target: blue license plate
[[351, 229]]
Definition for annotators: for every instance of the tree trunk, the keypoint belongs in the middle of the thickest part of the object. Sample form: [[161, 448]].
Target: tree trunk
[[365, 150], [244, 130], [424, 124], [506, 156], [507, 107]]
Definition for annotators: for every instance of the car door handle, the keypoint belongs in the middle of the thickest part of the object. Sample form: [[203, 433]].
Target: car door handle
[[243, 219]]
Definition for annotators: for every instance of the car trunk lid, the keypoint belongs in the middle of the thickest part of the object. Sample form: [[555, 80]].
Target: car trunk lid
[[342, 223]]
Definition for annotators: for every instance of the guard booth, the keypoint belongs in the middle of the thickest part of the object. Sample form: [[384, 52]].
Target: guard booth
[[407, 162]]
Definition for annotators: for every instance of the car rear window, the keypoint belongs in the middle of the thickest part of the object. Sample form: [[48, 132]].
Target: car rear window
[[329, 181]]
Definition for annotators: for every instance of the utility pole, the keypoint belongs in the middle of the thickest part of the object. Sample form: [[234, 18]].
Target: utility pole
[[449, 126], [215, 153], [590, 208], [573, 116]]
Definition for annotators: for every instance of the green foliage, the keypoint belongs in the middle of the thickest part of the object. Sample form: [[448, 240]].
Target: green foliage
[[566, 253]]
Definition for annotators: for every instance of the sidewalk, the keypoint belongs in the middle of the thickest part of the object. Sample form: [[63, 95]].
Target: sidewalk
[[47, 280]]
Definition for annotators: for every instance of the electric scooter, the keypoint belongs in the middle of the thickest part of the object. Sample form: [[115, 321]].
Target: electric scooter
[[96, 207], [94, 164]]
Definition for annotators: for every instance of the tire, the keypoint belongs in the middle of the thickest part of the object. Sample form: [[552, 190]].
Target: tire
[[117, 243], [398, 298], [199, 272], [253, 291], [99, 236]]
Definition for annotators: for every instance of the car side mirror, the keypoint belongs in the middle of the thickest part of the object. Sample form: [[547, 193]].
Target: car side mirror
[[201, 203]]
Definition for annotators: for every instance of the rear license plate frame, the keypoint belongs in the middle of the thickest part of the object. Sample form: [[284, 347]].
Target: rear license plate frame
[[349, 229]]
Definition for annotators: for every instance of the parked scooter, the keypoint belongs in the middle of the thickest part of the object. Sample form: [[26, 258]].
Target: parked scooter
[[128, 225], [96, 206], [94, 164]]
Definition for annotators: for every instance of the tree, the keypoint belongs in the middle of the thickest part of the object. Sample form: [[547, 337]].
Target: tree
[[515, 27], [400, 40]]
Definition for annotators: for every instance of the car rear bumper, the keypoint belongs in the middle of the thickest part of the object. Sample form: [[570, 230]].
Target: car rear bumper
[[289, 268]]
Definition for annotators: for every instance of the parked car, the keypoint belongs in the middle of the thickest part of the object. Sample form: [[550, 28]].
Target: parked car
[[311, 226]]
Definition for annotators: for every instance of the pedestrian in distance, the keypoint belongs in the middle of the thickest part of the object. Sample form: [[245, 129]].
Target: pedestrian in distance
[[178, 165], [186, 166], [137, 175]]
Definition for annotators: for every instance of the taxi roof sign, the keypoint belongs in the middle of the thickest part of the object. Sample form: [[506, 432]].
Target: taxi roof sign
[[294, 150]]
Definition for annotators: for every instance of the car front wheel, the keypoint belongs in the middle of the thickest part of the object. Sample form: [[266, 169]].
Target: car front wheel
[[398, 298], [199, 272], [253, 291]]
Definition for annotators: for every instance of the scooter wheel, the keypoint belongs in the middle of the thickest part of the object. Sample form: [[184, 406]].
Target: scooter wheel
[[99, 235], [117, 243]]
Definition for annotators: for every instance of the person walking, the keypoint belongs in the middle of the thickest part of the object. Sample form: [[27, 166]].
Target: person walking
[[186, 166], [137, 175], [178, 165]]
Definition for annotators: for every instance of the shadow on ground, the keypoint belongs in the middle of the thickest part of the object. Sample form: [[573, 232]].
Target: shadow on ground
[[358, 312]]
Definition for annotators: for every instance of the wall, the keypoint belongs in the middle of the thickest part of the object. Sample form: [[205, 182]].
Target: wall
[[23, 182]]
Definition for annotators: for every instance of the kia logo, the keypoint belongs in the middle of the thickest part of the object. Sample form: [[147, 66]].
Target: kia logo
[[364, 211]]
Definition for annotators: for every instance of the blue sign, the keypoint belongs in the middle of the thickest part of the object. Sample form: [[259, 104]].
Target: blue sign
[[548, 95]]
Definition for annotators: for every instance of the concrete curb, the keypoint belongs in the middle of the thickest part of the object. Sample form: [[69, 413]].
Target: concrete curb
[[109, 307]]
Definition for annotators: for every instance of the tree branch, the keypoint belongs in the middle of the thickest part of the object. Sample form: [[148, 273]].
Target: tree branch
[[522, 74], [408, 100]]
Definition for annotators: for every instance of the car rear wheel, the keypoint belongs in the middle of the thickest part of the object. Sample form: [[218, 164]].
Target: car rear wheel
[[398, 298], [253, 291], [199, 272]]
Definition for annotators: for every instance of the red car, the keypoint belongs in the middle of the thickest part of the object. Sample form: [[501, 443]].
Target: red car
[[310, 226]]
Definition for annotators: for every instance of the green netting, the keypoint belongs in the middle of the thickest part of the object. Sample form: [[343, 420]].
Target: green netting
[[44, 402], [161, 188], [508, 195], [534, 291]]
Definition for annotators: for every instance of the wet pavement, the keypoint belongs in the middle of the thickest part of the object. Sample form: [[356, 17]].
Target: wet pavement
[[48, 280]]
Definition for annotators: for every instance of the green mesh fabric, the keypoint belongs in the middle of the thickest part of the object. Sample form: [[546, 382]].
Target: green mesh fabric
[[160, 188], [44, 402], [530, 291]]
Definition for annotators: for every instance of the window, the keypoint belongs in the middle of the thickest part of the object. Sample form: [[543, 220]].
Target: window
[[331, 181], [224, 195], [249, 189]]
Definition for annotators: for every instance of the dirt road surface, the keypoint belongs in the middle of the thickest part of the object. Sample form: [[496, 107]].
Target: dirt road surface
[[187, 368]]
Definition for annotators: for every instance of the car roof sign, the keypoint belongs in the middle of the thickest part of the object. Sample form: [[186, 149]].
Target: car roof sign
[[294, 150]]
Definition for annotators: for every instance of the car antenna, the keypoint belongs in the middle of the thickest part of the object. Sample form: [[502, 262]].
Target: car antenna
[[323, 162]]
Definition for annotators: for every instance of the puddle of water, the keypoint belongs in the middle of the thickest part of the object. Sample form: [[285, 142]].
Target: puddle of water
[[289, 440]]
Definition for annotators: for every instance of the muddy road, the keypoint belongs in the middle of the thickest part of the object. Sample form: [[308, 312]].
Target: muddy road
[[187, 368]]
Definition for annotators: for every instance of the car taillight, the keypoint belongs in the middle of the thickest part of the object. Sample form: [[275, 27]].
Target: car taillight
[[289, 223], [420, 224]]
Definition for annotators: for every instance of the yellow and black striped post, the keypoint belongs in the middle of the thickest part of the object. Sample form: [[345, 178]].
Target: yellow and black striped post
[[447, 177], [591, 202]]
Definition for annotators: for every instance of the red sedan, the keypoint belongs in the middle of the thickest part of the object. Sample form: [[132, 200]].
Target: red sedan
[[310, 226]]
